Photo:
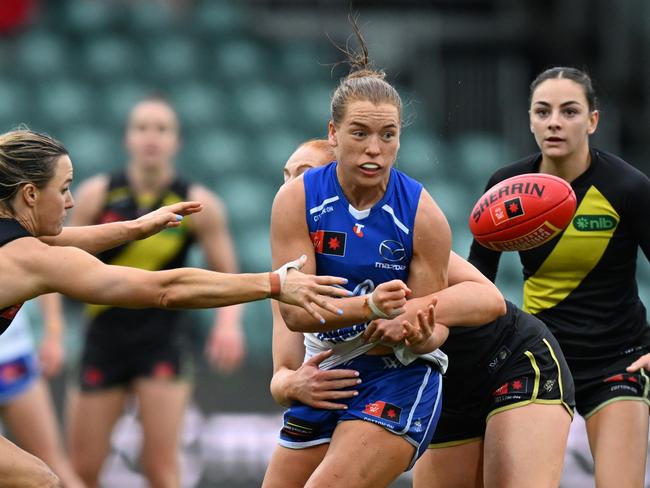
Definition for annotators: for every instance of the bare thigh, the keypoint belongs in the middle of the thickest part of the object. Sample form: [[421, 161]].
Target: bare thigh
[[457, 466], [91, 418], [291, 468], [162, 406], [618, 438], [362, 455], [525, 446], [32, 420], [30, 417]]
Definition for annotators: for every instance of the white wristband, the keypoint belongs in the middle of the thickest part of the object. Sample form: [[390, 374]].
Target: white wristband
[[376, 311]]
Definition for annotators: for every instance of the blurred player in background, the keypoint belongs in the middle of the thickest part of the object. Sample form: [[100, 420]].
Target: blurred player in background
[[25, 403], [127, 351], [582, 285]]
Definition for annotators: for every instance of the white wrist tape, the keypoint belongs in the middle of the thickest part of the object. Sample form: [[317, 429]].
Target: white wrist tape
[[376, 311], [284, 269]]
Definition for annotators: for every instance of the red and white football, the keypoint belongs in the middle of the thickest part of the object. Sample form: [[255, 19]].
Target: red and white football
[[522, 212]]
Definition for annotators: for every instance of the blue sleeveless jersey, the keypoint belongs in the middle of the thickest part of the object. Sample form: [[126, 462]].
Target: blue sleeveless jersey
[[368, 247]]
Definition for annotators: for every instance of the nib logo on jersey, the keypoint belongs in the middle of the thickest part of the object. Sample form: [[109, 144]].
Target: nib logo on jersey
[[394, 253], [383, 410], [329, 242]]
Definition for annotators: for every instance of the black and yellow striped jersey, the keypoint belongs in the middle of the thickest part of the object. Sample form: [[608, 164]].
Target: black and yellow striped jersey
[[165, 250], [582, 283]]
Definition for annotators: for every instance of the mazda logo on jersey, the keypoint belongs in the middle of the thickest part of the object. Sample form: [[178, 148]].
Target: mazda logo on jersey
[[329, 242], [392, 250]]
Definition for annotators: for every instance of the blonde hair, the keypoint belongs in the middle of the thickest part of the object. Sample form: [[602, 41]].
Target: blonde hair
[[363, 82], [26, 157]]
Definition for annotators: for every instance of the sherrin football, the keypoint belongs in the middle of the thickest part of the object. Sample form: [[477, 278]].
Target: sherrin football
[[522, 212]]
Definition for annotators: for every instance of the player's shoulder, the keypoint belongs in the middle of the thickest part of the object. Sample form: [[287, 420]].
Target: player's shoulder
[[612, 164], [403, 179], [291, 191], [528, 164]]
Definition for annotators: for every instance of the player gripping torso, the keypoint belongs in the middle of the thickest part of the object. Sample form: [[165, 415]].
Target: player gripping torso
[[367, 247]]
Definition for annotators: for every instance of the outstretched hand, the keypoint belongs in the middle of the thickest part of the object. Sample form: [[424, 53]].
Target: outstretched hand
[[307, 291], [164, 218], [320, 388], [642, 362]]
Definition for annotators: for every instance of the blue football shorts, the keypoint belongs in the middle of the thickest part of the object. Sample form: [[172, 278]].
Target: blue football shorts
[[16, 376], [405, 400]]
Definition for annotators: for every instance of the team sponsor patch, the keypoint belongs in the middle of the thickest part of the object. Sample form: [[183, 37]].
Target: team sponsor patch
[[329, 242], [12, 372], [520, 385], [384, 410], [164, 370], [299, 428], [625, 383], [507, 210], [93, 376], [497, 361]]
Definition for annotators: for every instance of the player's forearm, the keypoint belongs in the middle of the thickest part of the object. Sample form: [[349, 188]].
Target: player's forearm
[[197, 288], [354, 309], [465, 304], [94, 238]]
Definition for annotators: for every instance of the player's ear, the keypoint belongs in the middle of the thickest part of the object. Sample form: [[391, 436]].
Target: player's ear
[[594, 116], [29, 193], [331, 134]]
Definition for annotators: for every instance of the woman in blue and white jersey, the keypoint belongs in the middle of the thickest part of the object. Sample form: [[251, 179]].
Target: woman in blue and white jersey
[[379, 229]]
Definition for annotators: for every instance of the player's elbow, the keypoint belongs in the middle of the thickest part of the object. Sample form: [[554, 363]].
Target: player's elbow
[[168, 298], [497, 304], [291, 317]]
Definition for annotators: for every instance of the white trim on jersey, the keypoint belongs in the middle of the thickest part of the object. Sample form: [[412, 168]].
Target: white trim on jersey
[[320, 207], [399, 224], [358, 214]]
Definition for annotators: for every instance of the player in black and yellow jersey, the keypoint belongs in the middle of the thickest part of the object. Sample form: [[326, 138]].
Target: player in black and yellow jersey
[[582, 284], [128, 349]]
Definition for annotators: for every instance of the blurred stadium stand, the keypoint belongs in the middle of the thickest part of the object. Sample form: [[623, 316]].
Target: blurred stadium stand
[[252, 79]]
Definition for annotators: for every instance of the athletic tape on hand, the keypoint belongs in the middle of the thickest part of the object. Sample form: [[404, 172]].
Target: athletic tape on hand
[[377, 312], [284, 269]]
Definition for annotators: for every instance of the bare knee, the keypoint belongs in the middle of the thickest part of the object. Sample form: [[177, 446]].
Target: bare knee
[[160, 472], [88, 472]]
